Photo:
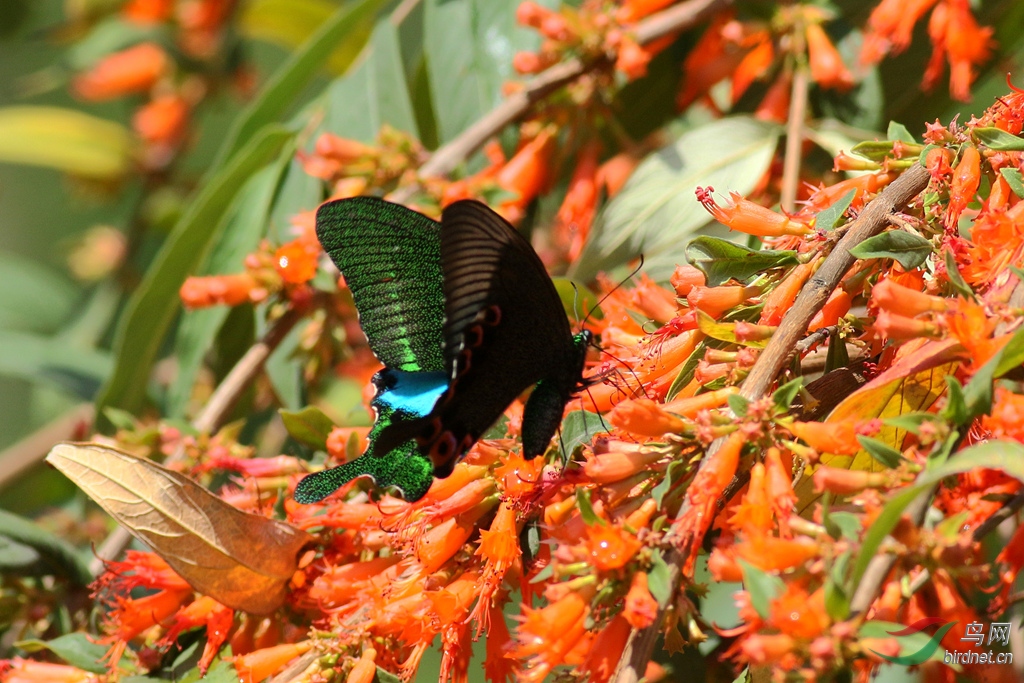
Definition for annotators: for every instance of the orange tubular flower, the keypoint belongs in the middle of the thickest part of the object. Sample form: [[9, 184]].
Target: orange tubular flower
[[782, 297], [499, 545], [966, 178], [438, 545], [576, 214], [20, 670], [147, 11], [131, 616], [827, 68], [686, 277], [644, 417], [632, 59], [365, 668], [632, 10], [901, 328], [610, 547], [526, 173], [204, 611], [163, 122], [717, 300], [605, 651], [616, 466], [896, 298], [844, 482], [828, 437], [798, 613], [776, 554], [230, 290], [754, 65], [968, 46], [640, 607], [260, 664], [775, 104], [761, 649], [128, 72], [836, 307], [745, 216], [703, 494], [547, 635]]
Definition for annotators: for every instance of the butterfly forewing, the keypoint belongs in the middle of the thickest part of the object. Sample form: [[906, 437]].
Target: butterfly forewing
[[390, 258]]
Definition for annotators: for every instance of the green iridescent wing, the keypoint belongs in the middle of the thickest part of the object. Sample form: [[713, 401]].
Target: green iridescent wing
[[391, 259]]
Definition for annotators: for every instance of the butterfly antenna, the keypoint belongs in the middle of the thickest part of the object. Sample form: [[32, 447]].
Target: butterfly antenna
[[576, 301], [593, 402], [624, 364], [613, 290]]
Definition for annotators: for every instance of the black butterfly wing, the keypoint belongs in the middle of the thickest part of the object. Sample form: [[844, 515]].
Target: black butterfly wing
[[390, 257], [505, 330]]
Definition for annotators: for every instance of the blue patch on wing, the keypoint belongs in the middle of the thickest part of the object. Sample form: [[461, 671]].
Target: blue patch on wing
[[412, 393]]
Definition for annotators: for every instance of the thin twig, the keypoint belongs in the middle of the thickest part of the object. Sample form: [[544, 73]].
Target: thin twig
[[794, 137], [31, 450], [871, 221], [448, 157]]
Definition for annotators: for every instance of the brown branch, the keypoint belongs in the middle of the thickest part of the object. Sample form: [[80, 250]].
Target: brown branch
[[795, 133], [31, 450], [872, 220], [449, 156]]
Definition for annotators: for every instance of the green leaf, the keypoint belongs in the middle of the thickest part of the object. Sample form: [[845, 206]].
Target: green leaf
[[955, 410], [910, 250], [912, 644], [350, 25], [1005, 456], [111, 34], [837, 355], [837, 602], [153, 305], [784, 395], [909, 421], [67, 140], [656, 210], [876, 150], [686, 372], [828, 218], [721, 260], [284, 368], [955, 278], [1014, 179], [74, 648], [245, 225], [897, 131], [385, 676], [59, 556], [289, 23], [309, 426], [586, 508], [880, 451], [995, 138], [578, 428], [659, 579], [676, 471], [32, 357], [33, 298], [469, 45], [738, 404], [374, 93], [847, 523], [762, 587]]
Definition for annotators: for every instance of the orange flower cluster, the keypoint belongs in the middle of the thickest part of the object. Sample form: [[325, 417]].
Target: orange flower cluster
[[169, 90], [954, 33]]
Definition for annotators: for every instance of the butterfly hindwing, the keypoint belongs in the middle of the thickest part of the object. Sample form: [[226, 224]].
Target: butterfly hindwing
[[390, 258]]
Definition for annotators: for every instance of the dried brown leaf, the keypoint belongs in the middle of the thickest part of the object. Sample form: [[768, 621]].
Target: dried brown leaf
[[240, 559]]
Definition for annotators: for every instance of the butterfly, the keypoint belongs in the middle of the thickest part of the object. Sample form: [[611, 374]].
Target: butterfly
[[464, 318]]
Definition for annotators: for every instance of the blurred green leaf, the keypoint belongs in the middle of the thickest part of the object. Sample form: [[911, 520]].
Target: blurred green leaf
[[579, 427], [881, 451], [1014, 179], [829, 217], [469, 45], [111, 34], [246, 223], [374, 93], [995, 138], [657, 209], [284, 369], [291, 22], [350, 25], [577, 300], [35, 357], [74, 648], [309, 426], [762, 587], [33, 298], [64, 139], [154, 303], [58, 555]]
